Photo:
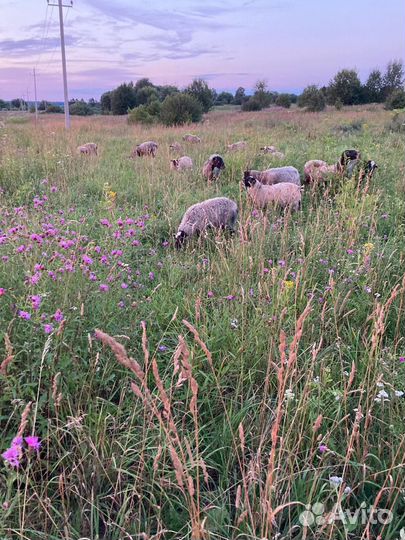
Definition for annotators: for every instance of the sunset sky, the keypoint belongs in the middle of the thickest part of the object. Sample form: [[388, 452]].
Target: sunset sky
[[230, 43]]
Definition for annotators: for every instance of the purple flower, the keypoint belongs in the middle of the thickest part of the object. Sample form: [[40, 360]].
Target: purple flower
[[210, 294], [367, 289], [87, 260], [124, 285], [230, 297], [21, 248], [12, 455], [162, 348], [92, 276], [36, 301], [103, 287], [2, 291], [54, 189], [402, 359], [151, 276], [33, 442], [323, 448], [48, 328], [58, 315], [281, 262], [350, 251], [105, 222], [24, 315]]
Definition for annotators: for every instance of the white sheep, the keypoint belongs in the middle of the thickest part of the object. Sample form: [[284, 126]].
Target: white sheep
[[181, 164], [176, 147], [191, 138], [284, 195], [212, 167], [88, 149], [276, 175], [317, 170], [240, 145], [148, 148], [217, 213], [273, 151]]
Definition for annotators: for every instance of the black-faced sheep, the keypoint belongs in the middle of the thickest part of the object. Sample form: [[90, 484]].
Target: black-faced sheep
[[217, 213], [176, 147], [316, 170], [148, 148], [282, 195], [213, 166], [181, 164], [277, 175]]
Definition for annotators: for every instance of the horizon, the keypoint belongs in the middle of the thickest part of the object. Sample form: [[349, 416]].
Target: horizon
[[175, 42]]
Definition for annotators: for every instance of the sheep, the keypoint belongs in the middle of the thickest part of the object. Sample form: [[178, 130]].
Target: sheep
[[181, 164], [240, 145], [316, 170], [176, 147], [191, 138], [277, 175], [213, 166], [88, 149], [218, 213], [283, 195], [148, 148], [272, 150]]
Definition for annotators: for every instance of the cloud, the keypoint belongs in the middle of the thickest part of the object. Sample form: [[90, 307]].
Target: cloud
[[24, 47]]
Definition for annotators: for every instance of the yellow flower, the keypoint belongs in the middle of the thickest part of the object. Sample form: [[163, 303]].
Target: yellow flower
[[368, 248], [288, 284], [111, 195]]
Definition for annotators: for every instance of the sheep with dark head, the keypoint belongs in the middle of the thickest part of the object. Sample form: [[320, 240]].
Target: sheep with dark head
[[213, 166]]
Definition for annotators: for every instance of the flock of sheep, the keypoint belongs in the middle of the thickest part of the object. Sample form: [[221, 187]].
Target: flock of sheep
[[279, 186]]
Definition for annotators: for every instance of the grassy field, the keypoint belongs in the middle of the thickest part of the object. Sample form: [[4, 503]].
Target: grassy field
[[262, 373]]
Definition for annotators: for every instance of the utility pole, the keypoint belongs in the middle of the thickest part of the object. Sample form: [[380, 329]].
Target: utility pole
[[62, 46], [35, 94]]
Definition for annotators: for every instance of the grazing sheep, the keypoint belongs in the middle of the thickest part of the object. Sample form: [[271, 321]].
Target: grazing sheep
[[191, 138], [283, 195], [316, 170], [240, 145], [212, 167], [218, 213], [181, 164], [176, 147], [277, 175], [88, 149], [272, 150], [148, 148]]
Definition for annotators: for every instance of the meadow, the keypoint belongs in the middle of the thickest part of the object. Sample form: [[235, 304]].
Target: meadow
[[220, 391]]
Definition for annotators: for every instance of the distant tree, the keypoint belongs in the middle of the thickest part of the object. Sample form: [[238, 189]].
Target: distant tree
[[312, 99], [166, 90], [345, 86], [3, 104], [179, 109], [396, 100], [394, 77], [261, 95], [53, 108], [141, 83], [145, 114], [105, 102], [123, 98], [146, 94], [374, 87], [252, 104], [224, 98], [80, 108], [18, 103], [283, 100], [240, 96], [42, 105], [200, 91]]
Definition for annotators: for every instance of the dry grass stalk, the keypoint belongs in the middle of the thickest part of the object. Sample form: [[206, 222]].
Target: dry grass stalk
[[5, 363], [24, 419]]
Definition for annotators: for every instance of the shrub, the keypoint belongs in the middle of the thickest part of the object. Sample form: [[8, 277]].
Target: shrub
[[80, 108], [252, 104], [397, 123], [54, 109], [179, 109], [338, 104], [145, 114], [396, 100], [312, 99], [200, 91], [283, 100], [123, 98]]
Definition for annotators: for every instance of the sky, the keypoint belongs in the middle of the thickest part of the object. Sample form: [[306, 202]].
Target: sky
[[229, 43]]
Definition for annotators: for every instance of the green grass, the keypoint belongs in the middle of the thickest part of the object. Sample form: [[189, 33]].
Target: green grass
[[309, 305]]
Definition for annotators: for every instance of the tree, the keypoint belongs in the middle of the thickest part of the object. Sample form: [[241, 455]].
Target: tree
[[43, 105], [252, 104], [396, 100], [261, 95], [394, 77], [166, 90], [179, 109], [345, 86], [123, 98], [224, 98], [283, 100], [312, 99], [373, 89], [52, 108], [80, 108], [240, 96], [3, 104], [141, 83], [18, 103], [105, 101], [146, 94], [200, 90]]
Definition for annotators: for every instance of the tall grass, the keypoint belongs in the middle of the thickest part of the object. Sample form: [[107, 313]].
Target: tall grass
[[209, 393]]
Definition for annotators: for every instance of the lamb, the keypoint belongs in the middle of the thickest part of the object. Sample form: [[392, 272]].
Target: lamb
[[240, 145], [213, 166], [181, 164], [277, 175], [272, 150], [283, 195], [148, 148], [316, 170], [88, 149], [176, 147], [191, 138], [218, 213]]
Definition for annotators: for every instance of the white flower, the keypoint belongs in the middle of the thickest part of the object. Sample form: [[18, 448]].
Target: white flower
[[381, 396], [289, 394], [347, 490], [316, 379], [398, 393], [335, 481], [380, 385]]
